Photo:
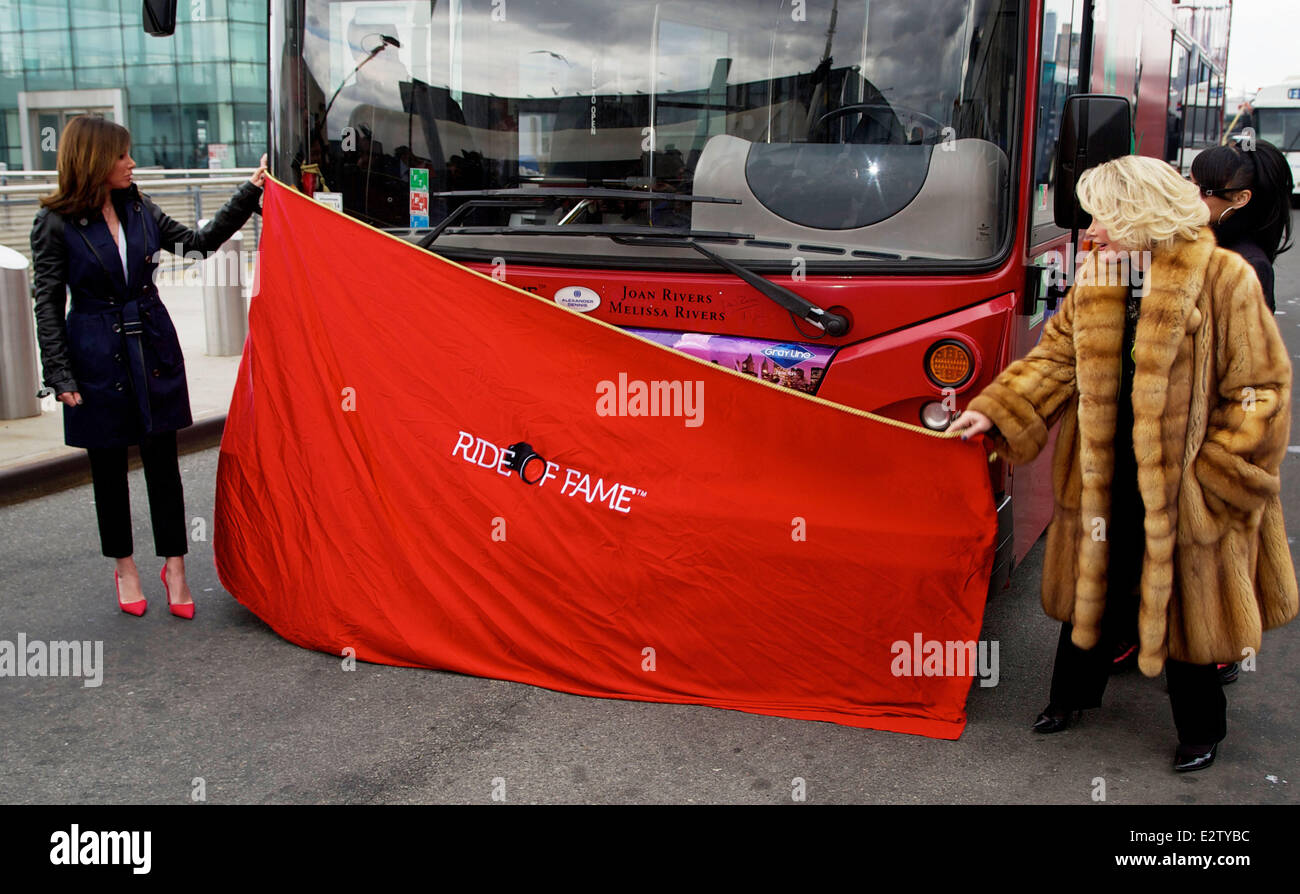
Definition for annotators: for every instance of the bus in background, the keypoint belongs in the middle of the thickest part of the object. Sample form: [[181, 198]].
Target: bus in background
[[1238, 118], [1198, 59], [1203, 122], [858, 199], [1277, 121]]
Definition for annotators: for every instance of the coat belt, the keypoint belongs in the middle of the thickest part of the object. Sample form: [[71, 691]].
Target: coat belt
[[132, 330]]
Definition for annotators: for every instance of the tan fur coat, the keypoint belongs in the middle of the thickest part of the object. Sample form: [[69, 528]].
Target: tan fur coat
[[1212, 409]]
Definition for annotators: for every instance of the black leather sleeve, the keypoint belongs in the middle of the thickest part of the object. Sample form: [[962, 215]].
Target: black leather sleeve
[[181, 240], [50, 271]]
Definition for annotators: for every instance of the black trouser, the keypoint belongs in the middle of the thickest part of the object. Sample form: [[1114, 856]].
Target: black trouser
[[1195, 691], [1079, 676], [162, 476]]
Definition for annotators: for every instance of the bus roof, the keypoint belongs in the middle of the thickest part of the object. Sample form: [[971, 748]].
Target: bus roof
[[1286, 93]]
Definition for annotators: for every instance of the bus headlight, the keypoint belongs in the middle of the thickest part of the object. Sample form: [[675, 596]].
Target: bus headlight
[[935, 416]]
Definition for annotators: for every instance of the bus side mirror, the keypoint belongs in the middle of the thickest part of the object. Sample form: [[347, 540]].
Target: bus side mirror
[[160, 17], [1095, 128]]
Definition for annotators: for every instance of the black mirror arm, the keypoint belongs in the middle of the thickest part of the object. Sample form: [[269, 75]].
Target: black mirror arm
[[159, 17]]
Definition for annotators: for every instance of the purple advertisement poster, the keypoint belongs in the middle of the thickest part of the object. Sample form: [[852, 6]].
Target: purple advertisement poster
[[788, 364]]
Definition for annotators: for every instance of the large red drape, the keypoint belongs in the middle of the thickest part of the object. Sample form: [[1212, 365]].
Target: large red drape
[[761, 551]]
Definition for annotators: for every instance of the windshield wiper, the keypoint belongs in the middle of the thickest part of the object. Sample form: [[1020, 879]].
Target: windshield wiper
[[528, 198], [584, 192], [832, 323], [625, 231]]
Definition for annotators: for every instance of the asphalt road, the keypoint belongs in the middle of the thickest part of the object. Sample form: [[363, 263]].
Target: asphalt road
[[224, 700]]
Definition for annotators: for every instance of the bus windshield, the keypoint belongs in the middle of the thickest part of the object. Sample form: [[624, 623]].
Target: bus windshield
[[852, 130], [1281, 127]]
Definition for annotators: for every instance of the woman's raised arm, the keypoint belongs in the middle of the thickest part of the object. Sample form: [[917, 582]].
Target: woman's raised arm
[[181, 240]]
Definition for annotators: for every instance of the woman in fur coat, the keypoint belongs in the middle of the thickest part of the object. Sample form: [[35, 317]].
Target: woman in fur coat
[[1173, 389]]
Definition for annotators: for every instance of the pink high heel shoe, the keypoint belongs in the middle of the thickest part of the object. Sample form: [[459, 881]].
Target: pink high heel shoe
[[181, 611], [131, 608]]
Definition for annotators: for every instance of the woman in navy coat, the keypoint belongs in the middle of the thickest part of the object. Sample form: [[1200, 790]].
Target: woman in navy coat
[[113, 359]]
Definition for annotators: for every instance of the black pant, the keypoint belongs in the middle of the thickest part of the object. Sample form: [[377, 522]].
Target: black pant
[[1079, 676], [1195, 691], [162, 476]]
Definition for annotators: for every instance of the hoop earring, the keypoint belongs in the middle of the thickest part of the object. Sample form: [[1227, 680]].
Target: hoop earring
[[1225, 213]]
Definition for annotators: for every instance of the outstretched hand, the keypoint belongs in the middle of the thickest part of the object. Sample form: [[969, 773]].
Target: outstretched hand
[[970, 423], [258, 177]]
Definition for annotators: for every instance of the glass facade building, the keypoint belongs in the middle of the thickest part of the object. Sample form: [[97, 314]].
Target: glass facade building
[[197, 95]]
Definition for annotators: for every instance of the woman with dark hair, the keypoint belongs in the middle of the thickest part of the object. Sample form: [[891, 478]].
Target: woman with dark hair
[[1248, 192], [113, 360]]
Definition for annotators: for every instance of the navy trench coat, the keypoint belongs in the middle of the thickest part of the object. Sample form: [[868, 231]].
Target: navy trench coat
[[117, 345]]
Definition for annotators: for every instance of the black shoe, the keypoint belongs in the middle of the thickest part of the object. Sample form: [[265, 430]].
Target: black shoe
[[1228, 672], [1194, 757], [1053, 720]]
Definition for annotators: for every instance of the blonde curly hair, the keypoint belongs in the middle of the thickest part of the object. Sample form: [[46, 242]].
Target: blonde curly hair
[[1142, 202]]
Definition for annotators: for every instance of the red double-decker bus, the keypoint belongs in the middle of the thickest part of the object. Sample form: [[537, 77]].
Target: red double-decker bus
[[852, 198]]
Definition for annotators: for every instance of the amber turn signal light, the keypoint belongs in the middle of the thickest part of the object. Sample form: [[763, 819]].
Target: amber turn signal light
[[949, 363]]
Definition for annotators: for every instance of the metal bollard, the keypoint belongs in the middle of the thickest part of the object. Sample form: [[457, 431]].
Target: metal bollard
[[18, 376], [225, 316]]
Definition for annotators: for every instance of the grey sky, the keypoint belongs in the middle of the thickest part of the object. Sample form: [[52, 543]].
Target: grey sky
[[1265, 44]]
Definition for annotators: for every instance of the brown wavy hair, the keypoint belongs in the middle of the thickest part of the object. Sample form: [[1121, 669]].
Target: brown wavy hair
[[88, 149]]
